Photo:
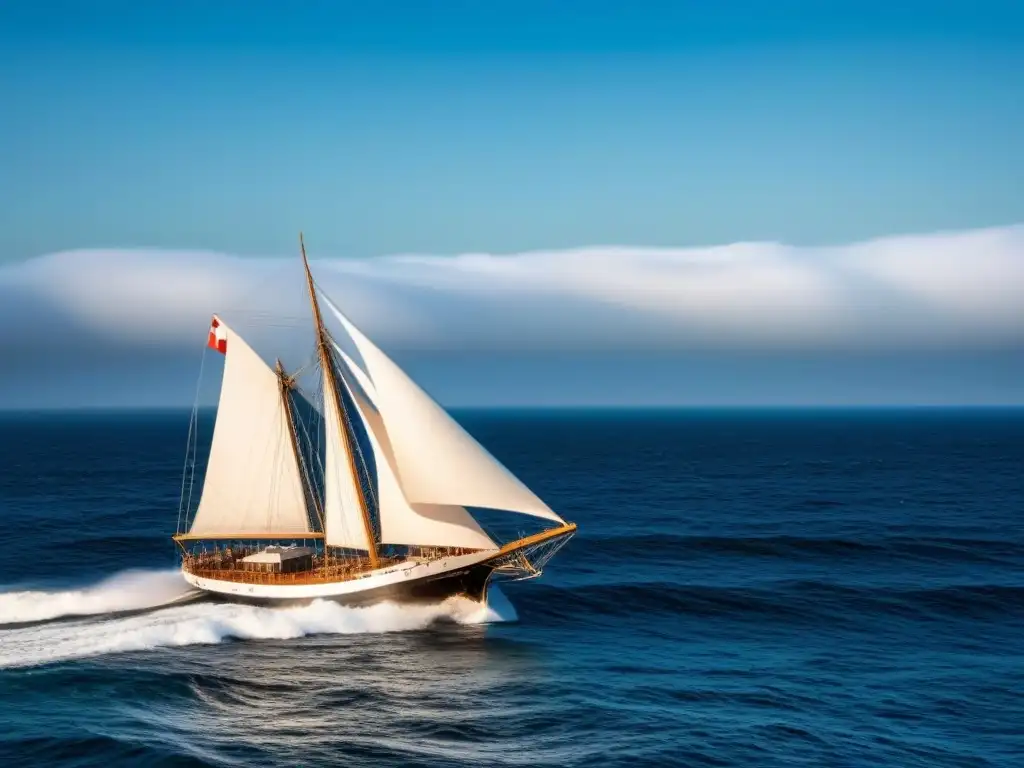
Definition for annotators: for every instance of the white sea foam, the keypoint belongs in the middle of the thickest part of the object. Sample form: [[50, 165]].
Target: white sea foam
[[125, 591], [210, 623], [496, 610]]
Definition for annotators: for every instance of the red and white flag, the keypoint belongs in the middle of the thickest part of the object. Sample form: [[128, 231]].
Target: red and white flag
[[218, 336]]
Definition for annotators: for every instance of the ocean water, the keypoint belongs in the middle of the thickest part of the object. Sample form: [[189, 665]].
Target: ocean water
[[777, 588]]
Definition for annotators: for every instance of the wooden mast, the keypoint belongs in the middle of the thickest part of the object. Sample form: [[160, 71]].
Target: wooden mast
[[330, 380], [285, 384]]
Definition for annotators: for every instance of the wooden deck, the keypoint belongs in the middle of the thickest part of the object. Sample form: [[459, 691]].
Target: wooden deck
[[226, 566]]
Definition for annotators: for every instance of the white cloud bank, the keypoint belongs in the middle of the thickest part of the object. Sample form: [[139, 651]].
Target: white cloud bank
[[946, 290]]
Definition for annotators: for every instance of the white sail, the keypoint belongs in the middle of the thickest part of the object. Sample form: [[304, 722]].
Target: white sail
[[343, 514], [437, 461], [427, 525], [252, 483]]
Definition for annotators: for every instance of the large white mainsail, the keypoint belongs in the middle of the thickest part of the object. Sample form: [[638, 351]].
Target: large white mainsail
[[427, 525], [437, 461], [343, 514], [252, 483]]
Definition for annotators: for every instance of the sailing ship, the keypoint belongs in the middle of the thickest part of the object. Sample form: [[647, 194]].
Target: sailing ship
[[360, 495]]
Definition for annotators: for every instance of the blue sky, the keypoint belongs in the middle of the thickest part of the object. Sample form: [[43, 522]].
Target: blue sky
[[507, 127], [499, 126]]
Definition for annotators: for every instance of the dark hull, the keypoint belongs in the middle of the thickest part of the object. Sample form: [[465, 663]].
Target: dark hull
[[470, 582]]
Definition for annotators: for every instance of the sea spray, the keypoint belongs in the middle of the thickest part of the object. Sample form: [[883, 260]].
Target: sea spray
[[497, 609], [210, 623], [126, 591]]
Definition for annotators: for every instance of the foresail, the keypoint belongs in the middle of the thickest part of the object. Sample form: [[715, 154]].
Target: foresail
[[428, 525], [252, 483], [343, 521], [436, 460]]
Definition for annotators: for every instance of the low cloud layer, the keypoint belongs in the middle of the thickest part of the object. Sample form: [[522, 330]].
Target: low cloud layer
[[935, 290], [945, 292]]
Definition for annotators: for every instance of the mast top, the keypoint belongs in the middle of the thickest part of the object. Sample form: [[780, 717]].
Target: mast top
[[317, 318]]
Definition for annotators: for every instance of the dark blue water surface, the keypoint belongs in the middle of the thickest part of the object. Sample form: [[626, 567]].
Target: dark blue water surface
[[747, 588]]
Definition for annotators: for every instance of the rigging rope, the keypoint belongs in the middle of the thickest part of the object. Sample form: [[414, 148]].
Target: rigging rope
[[193, 440]]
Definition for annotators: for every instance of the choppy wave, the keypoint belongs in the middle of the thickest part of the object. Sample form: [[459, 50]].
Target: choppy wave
[[806, 600], [126, 591], [677, 547], [197, 623]]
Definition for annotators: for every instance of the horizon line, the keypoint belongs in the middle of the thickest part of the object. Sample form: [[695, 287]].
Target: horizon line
[[125, 409]]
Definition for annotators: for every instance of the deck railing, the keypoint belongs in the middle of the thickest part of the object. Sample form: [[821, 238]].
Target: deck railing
[[226, 565]]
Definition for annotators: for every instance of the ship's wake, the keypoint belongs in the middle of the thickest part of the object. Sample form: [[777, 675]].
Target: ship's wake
[[197, 623], [132, 590]]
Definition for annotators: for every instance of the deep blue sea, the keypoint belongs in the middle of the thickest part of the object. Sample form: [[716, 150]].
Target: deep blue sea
[[748, 588]]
